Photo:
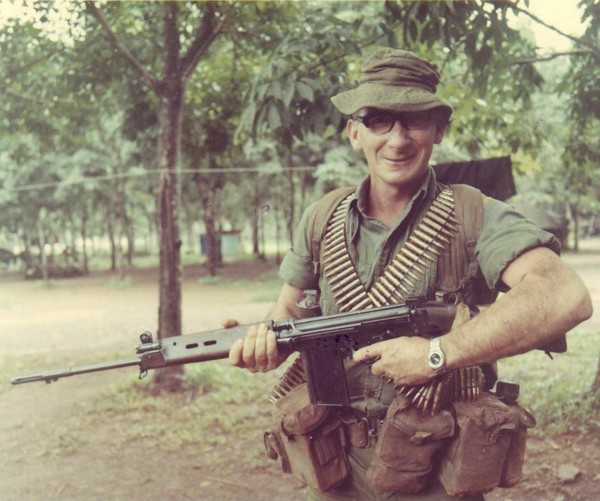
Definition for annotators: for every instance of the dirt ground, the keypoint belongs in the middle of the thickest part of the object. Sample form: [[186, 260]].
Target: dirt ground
[[80, 316]]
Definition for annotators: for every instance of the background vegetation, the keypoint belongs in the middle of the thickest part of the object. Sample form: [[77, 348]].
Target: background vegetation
[[135, 126], [259, 138]]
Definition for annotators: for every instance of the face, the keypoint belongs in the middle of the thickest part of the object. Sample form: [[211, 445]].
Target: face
[[400, 156]]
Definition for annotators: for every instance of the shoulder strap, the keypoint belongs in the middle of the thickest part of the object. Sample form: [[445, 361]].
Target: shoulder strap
[[469, 212], [458, 269], [317, 223]]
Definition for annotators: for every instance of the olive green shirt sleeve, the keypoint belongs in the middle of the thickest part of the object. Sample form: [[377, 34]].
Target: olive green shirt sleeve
[[505, 236], [297, 267]]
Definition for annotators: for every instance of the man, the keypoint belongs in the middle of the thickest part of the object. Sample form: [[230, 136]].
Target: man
[[395, 119]]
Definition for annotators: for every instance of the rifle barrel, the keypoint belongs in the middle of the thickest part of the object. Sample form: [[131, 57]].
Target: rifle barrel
[[54, 375]]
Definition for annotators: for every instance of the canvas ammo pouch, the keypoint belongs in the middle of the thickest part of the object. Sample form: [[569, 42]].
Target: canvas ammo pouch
[[309, 440], [489, 449], [406, 448]]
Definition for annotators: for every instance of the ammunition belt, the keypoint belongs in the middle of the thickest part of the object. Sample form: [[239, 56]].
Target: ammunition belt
[[397, 283], [293, 376], [407, 269], [458, 385]]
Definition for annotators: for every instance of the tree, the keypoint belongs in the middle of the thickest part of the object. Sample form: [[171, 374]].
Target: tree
[[169, 88]]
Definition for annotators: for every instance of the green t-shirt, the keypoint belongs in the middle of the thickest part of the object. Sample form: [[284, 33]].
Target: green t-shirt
[[505, 235]]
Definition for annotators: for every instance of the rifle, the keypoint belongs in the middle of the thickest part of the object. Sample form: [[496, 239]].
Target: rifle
[[323, 342]]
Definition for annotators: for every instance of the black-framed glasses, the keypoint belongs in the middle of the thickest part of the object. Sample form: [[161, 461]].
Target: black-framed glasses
[[381, 122]]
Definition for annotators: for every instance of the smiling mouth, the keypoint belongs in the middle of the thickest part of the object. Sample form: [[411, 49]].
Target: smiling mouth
[[399, 160]]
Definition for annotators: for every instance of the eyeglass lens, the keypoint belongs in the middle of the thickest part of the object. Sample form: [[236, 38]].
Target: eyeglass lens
[[382, 123]]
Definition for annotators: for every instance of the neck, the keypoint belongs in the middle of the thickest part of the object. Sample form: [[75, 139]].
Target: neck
[[387, 203]]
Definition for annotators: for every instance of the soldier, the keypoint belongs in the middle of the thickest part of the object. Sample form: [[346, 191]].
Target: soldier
[[402, 240]]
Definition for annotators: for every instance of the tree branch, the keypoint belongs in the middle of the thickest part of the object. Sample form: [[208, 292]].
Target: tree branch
[[116, 42], [205, 35], [553, 56], [42, 101], [579, 41]]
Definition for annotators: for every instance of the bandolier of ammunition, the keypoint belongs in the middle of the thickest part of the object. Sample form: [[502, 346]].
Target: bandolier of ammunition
[[459, 385], [395, 285], [293, 376]]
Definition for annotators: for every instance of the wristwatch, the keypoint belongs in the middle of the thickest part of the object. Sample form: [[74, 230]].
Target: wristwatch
[[436, 358]]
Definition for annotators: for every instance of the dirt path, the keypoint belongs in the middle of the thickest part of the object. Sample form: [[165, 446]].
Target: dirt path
[[80, 319]]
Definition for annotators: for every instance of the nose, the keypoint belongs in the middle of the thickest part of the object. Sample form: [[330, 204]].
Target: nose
[[398, 135]]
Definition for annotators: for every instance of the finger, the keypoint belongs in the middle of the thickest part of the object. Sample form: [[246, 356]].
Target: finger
[[366, 354], [228, 323], [235, 353], [248, 352], [260, 348], [273, 355]]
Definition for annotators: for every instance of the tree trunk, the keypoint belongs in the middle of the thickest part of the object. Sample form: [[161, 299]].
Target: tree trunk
[[170, 117], [255, 225], [130, 236], [110, 228], [121, 228], [263, 240], [596, 383], [42, 243], [84, 255], [170, 91], [291, 213], [212, 240], [575, 216], [277, 237]]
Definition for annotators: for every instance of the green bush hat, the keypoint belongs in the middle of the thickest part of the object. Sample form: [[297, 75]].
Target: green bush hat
[[394, 80]]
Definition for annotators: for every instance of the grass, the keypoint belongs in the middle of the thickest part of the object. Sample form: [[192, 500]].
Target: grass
[[47, 284], [220, 402], [120, 282], [558, 391]]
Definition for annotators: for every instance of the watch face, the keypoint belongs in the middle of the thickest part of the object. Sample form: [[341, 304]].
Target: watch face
[[436, 357], [435, 360]]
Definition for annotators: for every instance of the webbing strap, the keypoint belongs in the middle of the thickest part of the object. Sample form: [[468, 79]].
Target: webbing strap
[[408, 268], [317, 225]]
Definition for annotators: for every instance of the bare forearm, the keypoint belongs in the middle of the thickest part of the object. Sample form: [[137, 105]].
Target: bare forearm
[[281, 312], [541, 305], [286, 305]]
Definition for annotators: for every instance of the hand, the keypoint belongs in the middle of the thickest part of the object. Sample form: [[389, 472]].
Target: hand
[[401, 360], [258, 351]]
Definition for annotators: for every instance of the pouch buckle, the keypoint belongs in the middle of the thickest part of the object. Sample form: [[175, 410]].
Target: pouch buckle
[[362, 431]]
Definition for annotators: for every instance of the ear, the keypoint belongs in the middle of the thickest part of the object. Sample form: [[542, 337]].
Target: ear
[[352, 131], [440, 130]]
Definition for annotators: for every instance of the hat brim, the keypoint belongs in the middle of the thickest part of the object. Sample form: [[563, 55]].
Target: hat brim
[[388, 97]]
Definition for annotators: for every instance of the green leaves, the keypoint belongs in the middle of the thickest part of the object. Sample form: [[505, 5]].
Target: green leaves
[[305, 91], [268, 78]]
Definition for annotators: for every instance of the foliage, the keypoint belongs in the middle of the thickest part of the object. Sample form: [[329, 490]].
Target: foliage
[[81, 119]]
